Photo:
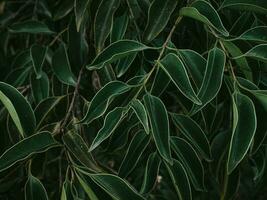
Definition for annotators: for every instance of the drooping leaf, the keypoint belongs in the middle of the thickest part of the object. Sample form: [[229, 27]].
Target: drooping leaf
[[103, 98], [119, 28], [38, 54], [195, 135], [244, 121], [104, 21], [115, 51], [257, 34], [134, 152], [112, 120], [159, 123], [180, 180], [124, 64], [212, 79], [36, 143], [44, 108], [140, 112], [158, 16], [34, 189], [151, 173], [241, 61], [195, 65], [19, 109], [190, 160], [61, 66], [80, 7], [258, 6], [116, 187], [31, 26], [40, 87], [258, 52], [175, 69], [203, 11], [79, 149]]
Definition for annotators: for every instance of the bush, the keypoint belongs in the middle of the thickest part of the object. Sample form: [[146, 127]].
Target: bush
[[133, 99]]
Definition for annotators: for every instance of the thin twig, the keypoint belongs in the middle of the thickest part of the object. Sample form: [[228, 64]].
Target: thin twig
[[75, 94]]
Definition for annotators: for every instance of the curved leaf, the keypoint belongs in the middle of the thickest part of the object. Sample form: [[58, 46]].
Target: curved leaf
[[79, 149], [195, 64], [212, 79], [80, 7], [190, 160], [116, 187], [158, 16], [134, 152], [25, 148], [112, 120], [103, 98], [175, 69], [115, 51], [192, 131], [104, 21], [31, 26], [61, 66], [34, 189], [140, 112], [151, 173], [38, 54], [40, 87], [180, 180], [258, 52], [203, 11], [244, 121], [159, 123], [257, 34], [19, 109], [247, 5]]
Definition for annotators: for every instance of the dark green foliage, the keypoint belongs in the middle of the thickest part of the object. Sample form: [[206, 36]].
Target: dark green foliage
[[133, 99]]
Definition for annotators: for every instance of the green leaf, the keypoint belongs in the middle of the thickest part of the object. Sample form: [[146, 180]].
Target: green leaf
[[212, 79], [80, 7], [103, 98], [38, 54], [140, 112], [180, 180], [203, 11], [66, 193], [151, 173], [241, 61], [124, 64], [44, 108], [257, 34], [36, 143], [112, 120], [258, 52], [115, 51], [40, 87], [133, 154], [19, 109], [190, 160], [175, 69], [79, 149], [119, 28], [195, 64], [116, 187], [104, 21], [31, 26], [159, 123], [244, 121], [158, 16], [61, 66], [34, 189], [193, 132], [258, 6]]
